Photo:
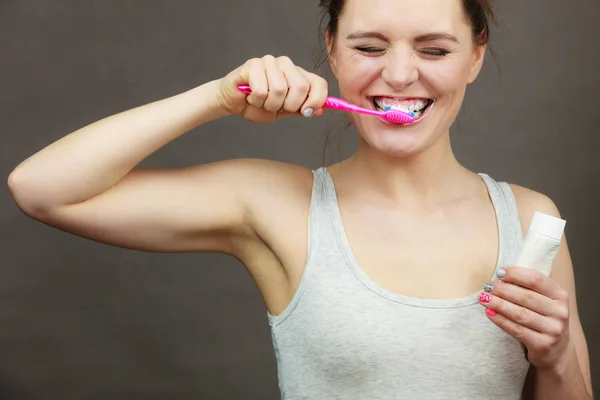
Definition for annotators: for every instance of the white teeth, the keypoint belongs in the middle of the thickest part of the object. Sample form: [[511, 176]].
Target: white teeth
[[419, 105]]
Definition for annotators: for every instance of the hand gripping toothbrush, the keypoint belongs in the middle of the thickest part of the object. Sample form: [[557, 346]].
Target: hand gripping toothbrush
[[333, 103]]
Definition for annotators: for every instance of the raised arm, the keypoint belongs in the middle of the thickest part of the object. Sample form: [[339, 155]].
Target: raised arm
[[88, 182]]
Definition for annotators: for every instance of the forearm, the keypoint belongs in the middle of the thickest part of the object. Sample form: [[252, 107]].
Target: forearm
[[92, 159], [564, 382]]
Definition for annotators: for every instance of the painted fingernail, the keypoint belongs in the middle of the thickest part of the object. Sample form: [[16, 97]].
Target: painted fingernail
[[308, 112], [501, 273], [490, 312], [484, 297], [488, 287]]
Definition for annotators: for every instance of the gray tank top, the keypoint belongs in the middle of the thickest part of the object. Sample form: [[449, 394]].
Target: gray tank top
[[344, 337]]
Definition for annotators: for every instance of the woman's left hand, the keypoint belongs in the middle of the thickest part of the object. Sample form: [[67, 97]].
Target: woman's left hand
[[532, 308]]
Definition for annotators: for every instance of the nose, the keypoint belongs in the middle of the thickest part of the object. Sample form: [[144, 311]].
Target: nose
[[400, 71]]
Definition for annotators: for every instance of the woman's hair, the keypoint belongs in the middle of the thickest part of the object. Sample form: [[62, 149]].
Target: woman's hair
[[479, 14]]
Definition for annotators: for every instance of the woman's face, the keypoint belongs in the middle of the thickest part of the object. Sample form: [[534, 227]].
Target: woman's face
[[408, 55]]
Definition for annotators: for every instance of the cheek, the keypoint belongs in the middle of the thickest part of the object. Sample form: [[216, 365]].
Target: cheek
[[355, 72], [447, 78]]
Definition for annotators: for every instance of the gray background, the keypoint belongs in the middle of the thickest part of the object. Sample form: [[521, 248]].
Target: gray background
[[82, 320]]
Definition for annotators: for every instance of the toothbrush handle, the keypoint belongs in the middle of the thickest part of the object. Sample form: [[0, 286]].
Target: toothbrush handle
[[245, 89], [332, 103], [338, 104]]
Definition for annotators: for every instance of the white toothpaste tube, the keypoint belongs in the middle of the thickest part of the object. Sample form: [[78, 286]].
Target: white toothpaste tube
[[542, 243]]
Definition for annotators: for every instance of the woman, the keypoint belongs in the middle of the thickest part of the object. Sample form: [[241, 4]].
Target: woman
[[371, 269]]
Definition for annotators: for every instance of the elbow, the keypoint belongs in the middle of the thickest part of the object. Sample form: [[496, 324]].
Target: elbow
[[25, 197], [15, 183]]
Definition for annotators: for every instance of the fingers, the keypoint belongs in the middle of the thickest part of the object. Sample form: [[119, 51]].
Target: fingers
[[317, 96], [279, 86], [523, 334], [257, 79], [298, 83], [519, 315], [541, 335], [543, 348], [526, 298], [532, 279], [538, 321]]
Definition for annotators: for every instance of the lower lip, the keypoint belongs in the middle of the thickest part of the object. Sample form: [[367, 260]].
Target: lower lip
[[415, 122]]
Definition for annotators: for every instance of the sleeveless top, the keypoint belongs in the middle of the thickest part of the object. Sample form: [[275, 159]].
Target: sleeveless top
[[344, 337]]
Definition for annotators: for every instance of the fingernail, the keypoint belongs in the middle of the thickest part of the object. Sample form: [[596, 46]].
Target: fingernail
[[501, 273], [308, 112], [484, 297], [488, 287], [490, 312]]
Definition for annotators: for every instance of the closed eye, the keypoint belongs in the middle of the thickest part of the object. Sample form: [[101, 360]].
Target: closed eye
[[369, 50], [435, 52]]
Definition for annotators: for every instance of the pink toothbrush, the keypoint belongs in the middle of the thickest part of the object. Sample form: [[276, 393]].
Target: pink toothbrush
[[393, 116]]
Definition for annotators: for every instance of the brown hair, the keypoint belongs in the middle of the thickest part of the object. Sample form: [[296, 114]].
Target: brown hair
[[479, 13]]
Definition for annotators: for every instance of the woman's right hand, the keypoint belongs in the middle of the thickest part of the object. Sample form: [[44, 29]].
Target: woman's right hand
[[279, 89]]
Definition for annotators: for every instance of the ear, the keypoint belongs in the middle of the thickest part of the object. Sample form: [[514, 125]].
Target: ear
[[330, 43], [477, 62]]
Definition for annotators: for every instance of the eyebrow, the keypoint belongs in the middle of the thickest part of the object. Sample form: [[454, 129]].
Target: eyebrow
[[427, 37]]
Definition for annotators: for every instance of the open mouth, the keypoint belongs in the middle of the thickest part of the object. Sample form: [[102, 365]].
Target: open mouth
[[416, 106]]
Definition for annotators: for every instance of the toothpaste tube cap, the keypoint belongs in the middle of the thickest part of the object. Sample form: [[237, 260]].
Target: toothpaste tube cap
[[548, 225]]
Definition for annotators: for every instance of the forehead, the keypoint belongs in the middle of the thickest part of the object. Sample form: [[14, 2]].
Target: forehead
[[403, 16]]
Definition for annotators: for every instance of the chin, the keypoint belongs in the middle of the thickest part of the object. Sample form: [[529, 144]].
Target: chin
[[397, 141], [395, 147]]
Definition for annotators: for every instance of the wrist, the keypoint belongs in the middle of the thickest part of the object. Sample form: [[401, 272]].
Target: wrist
[[564, 379], [564, 363], [205, 99]]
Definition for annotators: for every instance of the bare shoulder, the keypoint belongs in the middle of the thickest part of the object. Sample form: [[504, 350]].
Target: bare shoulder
[[278, 201], [260, 173], [276, 196], [529, 201], [268, 187]]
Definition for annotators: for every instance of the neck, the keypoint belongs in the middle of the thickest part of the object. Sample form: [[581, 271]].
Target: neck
[[431, 177]]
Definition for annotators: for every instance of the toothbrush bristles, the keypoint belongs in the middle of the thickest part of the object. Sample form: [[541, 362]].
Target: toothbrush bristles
[[399, 117], [388, 108]]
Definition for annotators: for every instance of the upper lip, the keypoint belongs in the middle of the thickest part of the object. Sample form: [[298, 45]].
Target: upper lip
[[400, 98]]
